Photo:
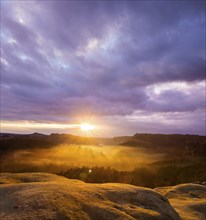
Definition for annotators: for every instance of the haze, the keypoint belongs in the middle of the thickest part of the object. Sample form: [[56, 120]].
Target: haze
[[63, 157]]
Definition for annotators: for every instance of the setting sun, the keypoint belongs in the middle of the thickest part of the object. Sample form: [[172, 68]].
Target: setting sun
[[87, 127]]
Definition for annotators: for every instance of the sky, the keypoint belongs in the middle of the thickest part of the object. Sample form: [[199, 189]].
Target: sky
[[125, 66]]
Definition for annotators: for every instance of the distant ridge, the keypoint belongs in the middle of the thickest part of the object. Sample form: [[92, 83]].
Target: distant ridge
[[10, 135], [37, 134]]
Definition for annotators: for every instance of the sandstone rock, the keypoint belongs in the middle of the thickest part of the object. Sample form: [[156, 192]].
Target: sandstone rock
[[189, 200], [47, 196]]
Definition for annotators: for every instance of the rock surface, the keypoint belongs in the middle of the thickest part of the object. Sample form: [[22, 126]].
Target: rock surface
[[46, 196], [189, 200]]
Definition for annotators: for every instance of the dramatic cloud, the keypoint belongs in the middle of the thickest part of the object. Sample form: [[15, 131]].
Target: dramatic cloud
[[115, 60]]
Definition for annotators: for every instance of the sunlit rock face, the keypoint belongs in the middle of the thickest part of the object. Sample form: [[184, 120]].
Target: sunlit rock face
[[189, 200], [47, 196]]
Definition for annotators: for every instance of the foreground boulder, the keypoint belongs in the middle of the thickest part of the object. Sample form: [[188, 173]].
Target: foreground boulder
[[189, 200], [47, 196]]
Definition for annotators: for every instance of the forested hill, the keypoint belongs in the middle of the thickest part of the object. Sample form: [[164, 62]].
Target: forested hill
[[160, 139], [174, 143], [161, 142], [15, 141]]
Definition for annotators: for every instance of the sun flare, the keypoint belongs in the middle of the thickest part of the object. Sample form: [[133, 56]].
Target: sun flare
[[87, 127]]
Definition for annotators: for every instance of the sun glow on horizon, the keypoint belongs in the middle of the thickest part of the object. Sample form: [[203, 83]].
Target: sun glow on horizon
[[82, 127]]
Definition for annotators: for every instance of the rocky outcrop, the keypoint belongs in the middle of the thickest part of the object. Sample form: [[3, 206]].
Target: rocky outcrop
[[47, 196], [41, 196], [189, 200]]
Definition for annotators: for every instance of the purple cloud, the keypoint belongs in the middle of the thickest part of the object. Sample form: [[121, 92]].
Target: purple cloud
[[64, 58]]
